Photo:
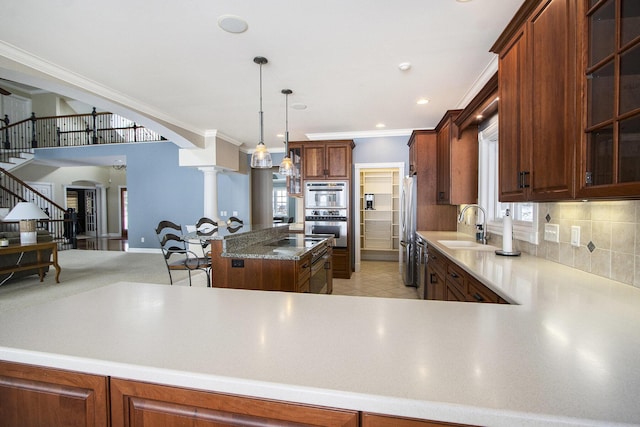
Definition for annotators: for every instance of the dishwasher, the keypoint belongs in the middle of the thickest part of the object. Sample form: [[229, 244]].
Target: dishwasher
[[421, 266]]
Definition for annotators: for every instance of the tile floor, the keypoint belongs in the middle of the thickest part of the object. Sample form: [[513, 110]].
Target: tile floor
[[375, 279]]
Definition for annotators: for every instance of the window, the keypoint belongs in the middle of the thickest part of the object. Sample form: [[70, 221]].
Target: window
[[280, 202], [525, 215]]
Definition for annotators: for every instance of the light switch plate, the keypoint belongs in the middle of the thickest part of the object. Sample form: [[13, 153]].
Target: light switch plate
[[552, 233], [575, 235]]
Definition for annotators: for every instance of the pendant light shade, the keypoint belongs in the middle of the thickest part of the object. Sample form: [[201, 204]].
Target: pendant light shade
[[286, 166], [261, 158]]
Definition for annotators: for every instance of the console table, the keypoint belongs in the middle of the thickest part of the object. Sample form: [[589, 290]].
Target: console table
[[40, 263]]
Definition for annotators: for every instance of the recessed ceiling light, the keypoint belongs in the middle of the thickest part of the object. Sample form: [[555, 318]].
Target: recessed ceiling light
[[422, 101], [404, 66], [280, 135], [298, 106], [232, 24], [479, 117], [463, 1], [380, 125]]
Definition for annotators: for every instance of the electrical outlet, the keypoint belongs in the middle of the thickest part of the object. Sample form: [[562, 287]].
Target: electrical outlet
[[142, 240], [552, 233], [575, 235], [235, 213]]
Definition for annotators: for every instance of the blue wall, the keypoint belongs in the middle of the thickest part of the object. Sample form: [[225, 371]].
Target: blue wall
[[157, 187], [382, 150]]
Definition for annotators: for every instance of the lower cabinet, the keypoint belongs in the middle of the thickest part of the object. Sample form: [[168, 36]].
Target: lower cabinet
[[137, 404], [446, 281], [375, 420], [36, 396], [341, 263]]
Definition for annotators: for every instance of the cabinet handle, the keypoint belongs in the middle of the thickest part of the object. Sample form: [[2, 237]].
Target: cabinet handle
[[433, 278], [524, 181], [454, 275], [478, 297], [441, 195], [305, 265]]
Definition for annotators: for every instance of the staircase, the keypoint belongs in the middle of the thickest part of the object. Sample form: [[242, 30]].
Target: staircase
[[13, 190], [18, 142]]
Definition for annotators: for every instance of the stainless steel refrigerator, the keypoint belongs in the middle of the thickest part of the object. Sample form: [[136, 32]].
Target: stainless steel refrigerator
[[408, 231]]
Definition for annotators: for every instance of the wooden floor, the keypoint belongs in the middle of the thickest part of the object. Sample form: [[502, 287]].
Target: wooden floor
[[103, 244]]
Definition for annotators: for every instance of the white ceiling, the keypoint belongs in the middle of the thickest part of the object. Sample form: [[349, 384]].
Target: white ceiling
[[169, 60]]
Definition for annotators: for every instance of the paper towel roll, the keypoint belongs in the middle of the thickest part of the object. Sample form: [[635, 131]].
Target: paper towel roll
[[507, 233]]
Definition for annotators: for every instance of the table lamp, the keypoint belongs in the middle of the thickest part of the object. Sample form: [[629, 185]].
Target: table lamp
[[27, 213]]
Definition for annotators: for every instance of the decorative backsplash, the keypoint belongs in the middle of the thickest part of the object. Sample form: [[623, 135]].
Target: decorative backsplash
[[609, 238]]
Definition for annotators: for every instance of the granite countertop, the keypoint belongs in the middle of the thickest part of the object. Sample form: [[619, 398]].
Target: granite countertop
[[284, 247], [566, 353]]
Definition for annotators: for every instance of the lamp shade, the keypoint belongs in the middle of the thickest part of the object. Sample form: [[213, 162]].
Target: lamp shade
[[25, 210]]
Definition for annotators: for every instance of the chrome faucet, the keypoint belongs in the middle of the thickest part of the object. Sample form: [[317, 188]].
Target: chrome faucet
[[481, 229]]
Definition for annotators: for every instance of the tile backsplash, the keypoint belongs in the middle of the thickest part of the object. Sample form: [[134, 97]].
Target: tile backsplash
[[609, 238]]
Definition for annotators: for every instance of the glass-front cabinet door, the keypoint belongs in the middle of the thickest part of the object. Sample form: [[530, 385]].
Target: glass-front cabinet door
[[294, 182], [611, 150]]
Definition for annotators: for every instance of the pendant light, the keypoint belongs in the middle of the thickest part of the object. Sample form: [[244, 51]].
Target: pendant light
[[286, 166], [261, 158]]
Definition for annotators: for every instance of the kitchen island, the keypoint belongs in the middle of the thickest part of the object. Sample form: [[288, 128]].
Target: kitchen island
[[272, 259], [565, 352]]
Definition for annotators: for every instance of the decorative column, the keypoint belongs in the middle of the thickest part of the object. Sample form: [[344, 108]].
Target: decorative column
[[210, 192]]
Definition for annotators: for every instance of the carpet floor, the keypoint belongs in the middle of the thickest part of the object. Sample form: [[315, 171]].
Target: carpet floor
[[85, 270]]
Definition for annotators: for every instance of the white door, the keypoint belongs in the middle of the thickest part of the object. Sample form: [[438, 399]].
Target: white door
[[90, 208]]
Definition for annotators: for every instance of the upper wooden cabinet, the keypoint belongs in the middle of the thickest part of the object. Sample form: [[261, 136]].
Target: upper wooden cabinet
[[539, 102], [430, 215], [457, 159], [609, 153], [327, 160]]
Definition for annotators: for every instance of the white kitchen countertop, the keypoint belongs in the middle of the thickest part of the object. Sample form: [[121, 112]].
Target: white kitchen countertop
[[567, 354]]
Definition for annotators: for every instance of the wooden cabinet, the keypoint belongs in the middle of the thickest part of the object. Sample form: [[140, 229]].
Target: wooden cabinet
[[294, 182], [436, 273], [477, 292], [137, 404], [376, 420], [430, 215], [259, 273], [609, 153], [327, 160], [455, 283], [447, 281], [37, 396], [342, 263], [457, 159], [303, 267], [539, 119]]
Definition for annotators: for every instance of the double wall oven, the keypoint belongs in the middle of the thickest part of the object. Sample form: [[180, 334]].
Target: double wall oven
[[326, 204]]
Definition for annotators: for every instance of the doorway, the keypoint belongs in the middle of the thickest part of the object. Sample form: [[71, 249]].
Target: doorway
[[377, 211], [124, 213], [84, 203]]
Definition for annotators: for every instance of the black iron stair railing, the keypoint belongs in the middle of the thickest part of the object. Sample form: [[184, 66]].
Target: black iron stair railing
[[69, 131], [61, 223]]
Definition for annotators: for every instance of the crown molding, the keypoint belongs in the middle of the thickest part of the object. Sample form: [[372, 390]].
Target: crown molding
[[358, 135], [489, 71], [215, 133]]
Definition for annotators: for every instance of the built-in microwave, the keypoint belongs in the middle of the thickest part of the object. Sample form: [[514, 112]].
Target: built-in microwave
[[326, 194]]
